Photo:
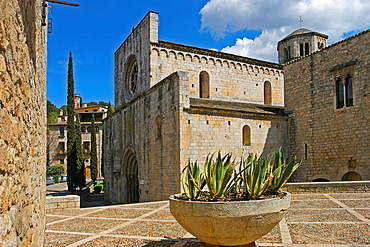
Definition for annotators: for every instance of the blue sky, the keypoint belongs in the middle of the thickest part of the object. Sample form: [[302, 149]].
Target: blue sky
[[94, 30]]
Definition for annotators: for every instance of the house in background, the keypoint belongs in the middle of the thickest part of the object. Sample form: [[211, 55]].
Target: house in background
[[58, 132]]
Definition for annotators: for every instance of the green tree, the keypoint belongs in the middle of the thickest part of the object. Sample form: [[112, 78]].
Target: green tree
[[64, 108], [80, 178], [52, 113], [93, 103], [71, 130], [110, 109], [93, 152]]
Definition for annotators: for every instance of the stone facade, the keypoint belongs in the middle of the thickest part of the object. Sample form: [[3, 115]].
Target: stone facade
[[332, 135], [22, 123], [175, 102]]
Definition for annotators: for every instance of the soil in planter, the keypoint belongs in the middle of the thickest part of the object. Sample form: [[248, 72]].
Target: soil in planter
[[234, 196]]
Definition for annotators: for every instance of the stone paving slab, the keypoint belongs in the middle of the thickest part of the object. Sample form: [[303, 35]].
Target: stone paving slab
[[325, 220]]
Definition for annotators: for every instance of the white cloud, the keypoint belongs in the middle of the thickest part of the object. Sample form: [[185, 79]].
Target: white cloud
[[278, 18]]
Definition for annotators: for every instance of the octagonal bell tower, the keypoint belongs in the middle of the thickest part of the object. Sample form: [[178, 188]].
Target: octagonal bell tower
[[300, 43]]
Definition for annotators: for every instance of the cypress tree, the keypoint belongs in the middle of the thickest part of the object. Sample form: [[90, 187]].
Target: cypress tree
[[110, 109], [93, 153], [80, 177], [71, 129]]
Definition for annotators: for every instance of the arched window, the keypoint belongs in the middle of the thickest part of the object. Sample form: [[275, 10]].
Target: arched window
[[340, 93], [349, 91], [301, 50], [83, 129], [344, 92], [286, 53], [246, 135], [203, 85], [267, 93], [306, 49], [158, 122]]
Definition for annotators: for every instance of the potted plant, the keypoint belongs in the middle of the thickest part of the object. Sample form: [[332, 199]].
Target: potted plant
[[233, 203]]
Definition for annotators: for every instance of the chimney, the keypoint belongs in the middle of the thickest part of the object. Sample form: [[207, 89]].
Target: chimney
[[78, 101]]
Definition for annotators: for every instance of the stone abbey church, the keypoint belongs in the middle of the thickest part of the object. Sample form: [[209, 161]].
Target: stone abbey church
[[176, 102]]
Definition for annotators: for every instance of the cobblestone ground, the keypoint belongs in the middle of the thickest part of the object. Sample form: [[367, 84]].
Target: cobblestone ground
[[335, 220]]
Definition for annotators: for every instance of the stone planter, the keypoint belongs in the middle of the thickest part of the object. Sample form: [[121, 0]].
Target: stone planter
[[229, 223]]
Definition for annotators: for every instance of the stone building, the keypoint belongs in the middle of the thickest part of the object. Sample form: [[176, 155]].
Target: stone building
[[58, 132], [300, 43], [22, 123], [327, 95], [175, 102]]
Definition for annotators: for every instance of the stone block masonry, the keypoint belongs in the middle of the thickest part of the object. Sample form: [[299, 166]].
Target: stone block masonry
[[22, 123], [332, 140]]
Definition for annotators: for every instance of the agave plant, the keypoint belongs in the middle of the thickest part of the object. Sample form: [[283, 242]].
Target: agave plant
[[281, 170], [267, 174], [256, 177], [192, 180], [218, 175]]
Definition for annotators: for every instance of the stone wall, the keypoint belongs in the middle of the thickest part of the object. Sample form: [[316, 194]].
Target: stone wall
[[136, 45], [331, 141], [328, 187], [22, 123], [231, 78], [57, 203], [141, 146]]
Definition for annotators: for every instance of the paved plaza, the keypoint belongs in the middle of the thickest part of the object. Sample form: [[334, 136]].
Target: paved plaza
[[332, 219]]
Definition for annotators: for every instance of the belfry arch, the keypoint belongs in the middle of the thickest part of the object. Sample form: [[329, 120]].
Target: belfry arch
[[131, 174]]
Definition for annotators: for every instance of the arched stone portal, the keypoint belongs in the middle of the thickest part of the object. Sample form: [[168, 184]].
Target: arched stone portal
[[351, 176], [131, 173]]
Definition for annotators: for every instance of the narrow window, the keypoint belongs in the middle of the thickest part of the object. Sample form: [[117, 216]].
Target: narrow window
[[61, 147], [86, 147], [305, 151], [267, 93], [306, 49], [203, 85], [158, 122], [246, 135], [288, 52], [349, 91], [61, 131], [301, 50], [340, 93]]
